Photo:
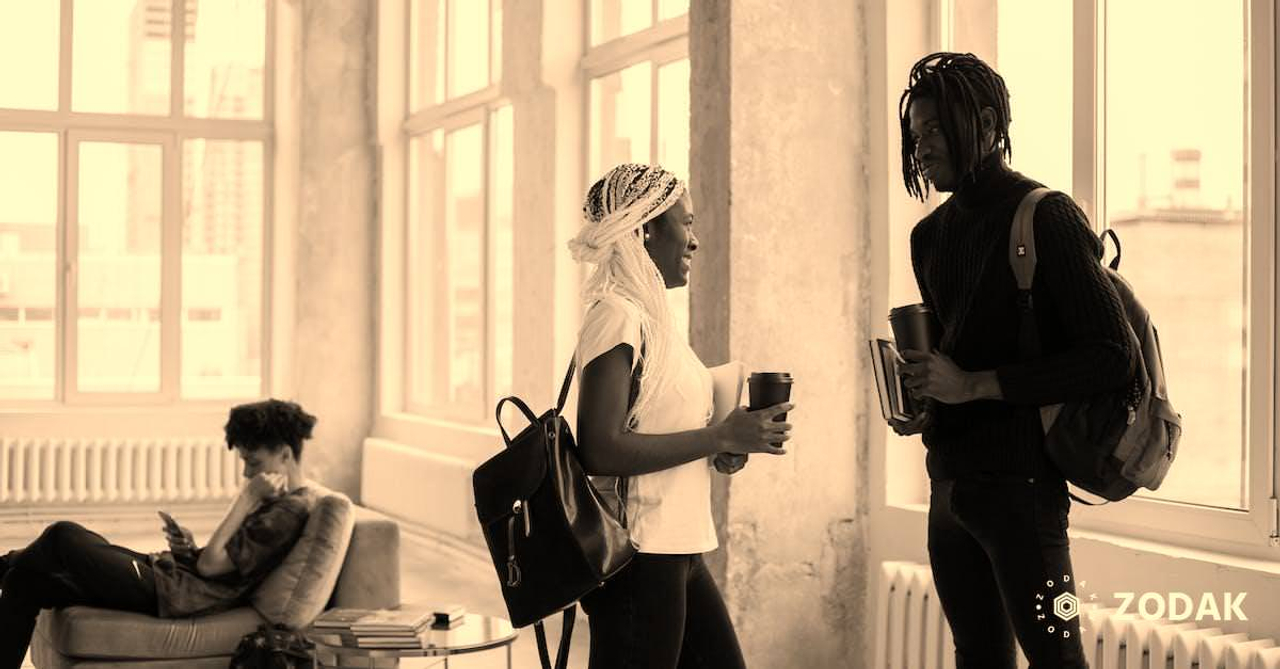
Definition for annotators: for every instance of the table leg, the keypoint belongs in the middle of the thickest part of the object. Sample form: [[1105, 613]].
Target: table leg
[[509, 656]]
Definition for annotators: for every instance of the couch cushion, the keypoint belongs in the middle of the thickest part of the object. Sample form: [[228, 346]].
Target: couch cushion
[[88, 632], [295, 593], [370, 577]]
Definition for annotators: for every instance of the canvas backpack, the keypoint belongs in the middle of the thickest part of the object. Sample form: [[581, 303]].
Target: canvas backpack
[[1115, 442]]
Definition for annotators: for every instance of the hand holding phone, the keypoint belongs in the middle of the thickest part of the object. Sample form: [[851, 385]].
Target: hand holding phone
[[181, 542]]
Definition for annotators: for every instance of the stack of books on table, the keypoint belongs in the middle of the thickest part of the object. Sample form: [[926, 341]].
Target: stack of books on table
[[386, 628]]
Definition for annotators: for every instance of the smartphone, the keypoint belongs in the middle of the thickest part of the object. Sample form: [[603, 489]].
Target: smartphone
[[169, 522]]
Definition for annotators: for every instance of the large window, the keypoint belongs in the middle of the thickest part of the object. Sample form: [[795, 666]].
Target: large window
[[134, 144], [1157, 117], [638, 67], [459, 256]]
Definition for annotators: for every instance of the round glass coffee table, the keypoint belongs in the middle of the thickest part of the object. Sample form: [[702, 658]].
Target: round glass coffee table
[[338, 650]]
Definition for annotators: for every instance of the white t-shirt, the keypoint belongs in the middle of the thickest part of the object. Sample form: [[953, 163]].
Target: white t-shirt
[[668, 511]]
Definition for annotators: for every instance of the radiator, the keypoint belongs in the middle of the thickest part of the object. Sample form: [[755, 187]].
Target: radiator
[[38, 472], [912, 633]]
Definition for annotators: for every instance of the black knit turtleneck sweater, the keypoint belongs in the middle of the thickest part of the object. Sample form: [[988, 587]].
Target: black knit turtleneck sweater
[[960, 254]]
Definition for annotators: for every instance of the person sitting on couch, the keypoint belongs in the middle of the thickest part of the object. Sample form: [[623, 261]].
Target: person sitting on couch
[[70, 565]]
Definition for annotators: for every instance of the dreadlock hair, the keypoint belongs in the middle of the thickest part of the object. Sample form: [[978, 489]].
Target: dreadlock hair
[[269, 424], [961, 85]]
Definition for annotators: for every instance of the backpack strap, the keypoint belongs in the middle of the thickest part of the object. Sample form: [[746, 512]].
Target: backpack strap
[[1022, 258], [1115, 239], [566, 633], [564, 387]]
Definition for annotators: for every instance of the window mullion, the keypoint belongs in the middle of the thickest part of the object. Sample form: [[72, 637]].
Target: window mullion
[[489, 383], [171, 270], [944, 24], [1088, 108], [1261, 186], [655, 109], [269, 66], [70, 274], [447, 50], [177, 46], [64, 56]]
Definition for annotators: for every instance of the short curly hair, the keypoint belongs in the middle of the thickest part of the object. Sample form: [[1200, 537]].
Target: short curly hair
[[269, 424]]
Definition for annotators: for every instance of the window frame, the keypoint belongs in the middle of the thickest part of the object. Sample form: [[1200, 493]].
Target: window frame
[[473, 108], [664, 42], [170, 131], [1254, 532]]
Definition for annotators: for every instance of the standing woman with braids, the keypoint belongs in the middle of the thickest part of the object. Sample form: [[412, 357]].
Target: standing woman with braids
[[663, 610], [998, 507]]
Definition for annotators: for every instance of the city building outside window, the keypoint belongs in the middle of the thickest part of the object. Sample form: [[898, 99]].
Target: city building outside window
[[135, 140]]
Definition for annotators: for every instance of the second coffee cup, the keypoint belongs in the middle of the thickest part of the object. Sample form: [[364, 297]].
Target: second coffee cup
[[915, 328]]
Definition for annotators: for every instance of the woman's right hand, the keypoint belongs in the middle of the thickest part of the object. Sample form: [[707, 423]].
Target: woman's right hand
[[266, 486], [745, 431]]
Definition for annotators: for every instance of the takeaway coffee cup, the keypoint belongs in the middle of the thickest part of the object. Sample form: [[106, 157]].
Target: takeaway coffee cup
[[914, 328], [767, 389]]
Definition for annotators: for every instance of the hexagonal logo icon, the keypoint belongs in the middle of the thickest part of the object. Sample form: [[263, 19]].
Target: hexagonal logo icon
[[1066, 606]]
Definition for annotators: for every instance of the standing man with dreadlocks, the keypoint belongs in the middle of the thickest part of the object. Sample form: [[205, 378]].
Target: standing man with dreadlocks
[[998, 507]]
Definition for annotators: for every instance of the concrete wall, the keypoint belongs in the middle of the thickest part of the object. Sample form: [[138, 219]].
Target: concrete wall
[[780, 132], [333, 338]]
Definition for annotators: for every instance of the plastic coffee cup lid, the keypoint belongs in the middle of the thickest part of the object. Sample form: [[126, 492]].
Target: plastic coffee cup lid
[[909, 308]]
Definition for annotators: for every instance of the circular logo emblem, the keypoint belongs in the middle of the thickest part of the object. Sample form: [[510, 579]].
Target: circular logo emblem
[[1056, 606]]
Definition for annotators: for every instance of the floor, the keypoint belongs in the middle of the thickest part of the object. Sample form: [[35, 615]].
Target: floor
[[433, 573]]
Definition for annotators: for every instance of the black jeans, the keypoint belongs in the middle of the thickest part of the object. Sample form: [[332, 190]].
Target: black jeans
[[65, 566], [1000, 556], [661, 612]]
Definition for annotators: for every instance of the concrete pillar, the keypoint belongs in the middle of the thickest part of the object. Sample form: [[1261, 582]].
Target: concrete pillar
[[334, 336], [534, 109], [779, 171], [541, 52]]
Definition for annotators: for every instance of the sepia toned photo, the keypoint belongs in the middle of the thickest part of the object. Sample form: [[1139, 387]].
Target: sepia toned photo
[[666, 334]]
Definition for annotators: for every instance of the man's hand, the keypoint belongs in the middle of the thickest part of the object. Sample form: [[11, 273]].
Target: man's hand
[[918, 423], [266, 486], [181, 542], [730, 463], [935, 375]]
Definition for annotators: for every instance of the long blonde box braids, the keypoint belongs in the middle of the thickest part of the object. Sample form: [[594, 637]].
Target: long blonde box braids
[[616, 207]]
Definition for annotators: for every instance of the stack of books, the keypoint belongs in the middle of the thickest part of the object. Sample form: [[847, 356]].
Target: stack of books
[[387, 628], [448, 617], [886, 362]]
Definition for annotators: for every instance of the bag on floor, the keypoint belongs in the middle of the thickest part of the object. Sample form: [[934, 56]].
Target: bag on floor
[[273, 647], [1113, 443], [551, 535]]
